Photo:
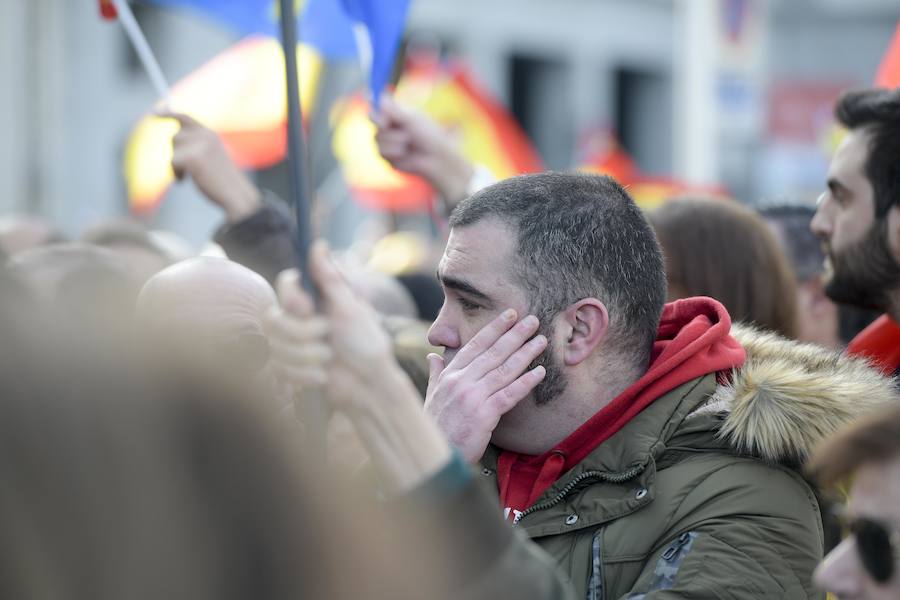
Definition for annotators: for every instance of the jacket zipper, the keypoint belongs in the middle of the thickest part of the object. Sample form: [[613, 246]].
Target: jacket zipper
[[595, 583], [672, 551], [600, 475]]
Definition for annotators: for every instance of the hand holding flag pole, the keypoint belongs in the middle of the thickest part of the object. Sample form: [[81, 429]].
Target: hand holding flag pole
[[141, 47]]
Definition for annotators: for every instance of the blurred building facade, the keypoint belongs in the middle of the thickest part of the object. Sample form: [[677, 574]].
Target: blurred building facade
[[737, 91]]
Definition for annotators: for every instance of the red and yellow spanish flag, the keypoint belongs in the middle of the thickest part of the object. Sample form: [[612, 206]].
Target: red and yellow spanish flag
[[650, 192], [607, 157], [604, 156], [486, 132], [240, 94]]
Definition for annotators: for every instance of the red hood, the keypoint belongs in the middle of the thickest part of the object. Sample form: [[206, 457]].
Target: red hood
[[880, 343], [693, 340]]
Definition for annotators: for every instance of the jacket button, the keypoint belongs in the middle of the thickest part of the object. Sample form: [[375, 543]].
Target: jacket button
[[571, 519], [487, 472], [640, 494]]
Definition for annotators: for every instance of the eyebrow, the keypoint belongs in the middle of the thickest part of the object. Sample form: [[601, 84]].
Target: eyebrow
[[462, 286]]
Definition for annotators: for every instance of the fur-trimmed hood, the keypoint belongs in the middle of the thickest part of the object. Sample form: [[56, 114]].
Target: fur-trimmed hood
[[788, 397]]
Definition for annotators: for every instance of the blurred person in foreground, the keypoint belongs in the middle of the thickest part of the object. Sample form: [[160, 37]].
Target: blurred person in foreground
[[211, 309], [134, 244], [865, 458], [128, 478], [24, 232], [721, 249], [649, 449], [858, 219], [78, 287]]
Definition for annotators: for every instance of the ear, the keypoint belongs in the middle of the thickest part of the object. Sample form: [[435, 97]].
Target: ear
[[586, 324]]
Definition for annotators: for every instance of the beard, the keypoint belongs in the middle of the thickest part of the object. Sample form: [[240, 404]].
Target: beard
[[865, 273], [555, 381]]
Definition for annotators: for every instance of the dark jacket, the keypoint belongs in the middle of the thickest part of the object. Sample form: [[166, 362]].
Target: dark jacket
[[263, 242], [453, 522], [701, 495]]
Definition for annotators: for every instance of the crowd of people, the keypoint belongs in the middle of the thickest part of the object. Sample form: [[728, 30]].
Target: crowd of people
[[688, 403]]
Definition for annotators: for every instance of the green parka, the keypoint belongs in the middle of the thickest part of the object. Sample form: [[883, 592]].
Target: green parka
[[701, 494]]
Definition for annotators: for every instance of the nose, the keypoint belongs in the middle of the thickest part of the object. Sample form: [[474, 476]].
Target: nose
[[840, 572], [821, 224], [443, 332]]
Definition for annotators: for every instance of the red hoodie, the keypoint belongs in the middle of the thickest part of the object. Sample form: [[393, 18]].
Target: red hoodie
[[880, 343], [693, 340]]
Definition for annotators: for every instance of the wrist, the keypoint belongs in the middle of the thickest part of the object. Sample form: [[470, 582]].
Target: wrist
[[242, 202], [405, 445], [452, 183]]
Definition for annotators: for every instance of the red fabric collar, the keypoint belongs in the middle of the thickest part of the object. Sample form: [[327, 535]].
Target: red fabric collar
[[693, 340], [880, 343]]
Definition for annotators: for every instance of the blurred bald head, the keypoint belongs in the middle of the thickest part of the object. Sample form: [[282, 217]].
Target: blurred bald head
[[206, 312], [211, 296]]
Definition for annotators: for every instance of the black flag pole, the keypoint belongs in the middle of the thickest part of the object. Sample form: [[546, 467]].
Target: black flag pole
[[310, 408], [297, 162]]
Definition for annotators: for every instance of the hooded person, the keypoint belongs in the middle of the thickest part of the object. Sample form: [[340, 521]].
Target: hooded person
[[653, 451]]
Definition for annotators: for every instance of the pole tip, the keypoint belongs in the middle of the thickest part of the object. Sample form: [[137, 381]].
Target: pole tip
[[108, 10]]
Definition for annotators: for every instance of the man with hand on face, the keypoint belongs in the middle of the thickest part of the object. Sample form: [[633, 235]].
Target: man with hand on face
[[651, 451], [858, 219]]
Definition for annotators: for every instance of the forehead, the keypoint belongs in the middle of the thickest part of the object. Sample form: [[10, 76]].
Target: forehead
[[876, 491], [849, 161], [482, 253]]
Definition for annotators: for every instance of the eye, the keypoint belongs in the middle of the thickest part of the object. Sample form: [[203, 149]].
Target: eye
[[468, 305], [840, 196]]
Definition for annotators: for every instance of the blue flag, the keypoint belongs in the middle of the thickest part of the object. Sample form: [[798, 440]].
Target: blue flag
[[378, 26], [323, 23], [338, 29]]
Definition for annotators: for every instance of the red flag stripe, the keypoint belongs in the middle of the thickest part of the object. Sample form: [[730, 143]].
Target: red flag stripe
[[108, 10]]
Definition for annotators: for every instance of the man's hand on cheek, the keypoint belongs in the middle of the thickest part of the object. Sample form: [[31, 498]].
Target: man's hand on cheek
[[485, 380]]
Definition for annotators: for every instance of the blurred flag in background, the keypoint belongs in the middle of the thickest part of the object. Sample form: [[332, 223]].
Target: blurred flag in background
[[888, 75], [241, 93], [486, 132]]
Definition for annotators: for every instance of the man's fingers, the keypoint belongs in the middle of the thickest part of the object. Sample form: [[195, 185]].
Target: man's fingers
[[302, 376], [291, 296], [280, 325], [504, 400], [185, 120], [515, 365], [504, 347], [435, 365], [392, 145], [331, 283], [392, 111], [182, 158], [392, 152], [189, 153], [484, 339], [392, 138], [292, 354]]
